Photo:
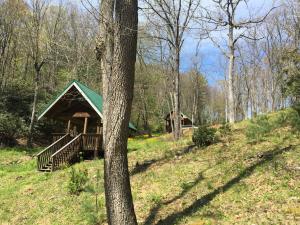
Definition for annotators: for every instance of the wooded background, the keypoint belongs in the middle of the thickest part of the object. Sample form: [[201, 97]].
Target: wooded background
[[45, 44]]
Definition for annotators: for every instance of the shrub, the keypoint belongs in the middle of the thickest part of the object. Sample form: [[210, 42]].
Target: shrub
[[11, 127], [289, 117], [225, 129], [204, 136], [294, 120], [78, 180], [258, 128], [282, 119]]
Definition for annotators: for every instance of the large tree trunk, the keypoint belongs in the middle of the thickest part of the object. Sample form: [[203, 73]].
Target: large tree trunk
[[118, 40], [231, 116], [33, 112], [177, 114]]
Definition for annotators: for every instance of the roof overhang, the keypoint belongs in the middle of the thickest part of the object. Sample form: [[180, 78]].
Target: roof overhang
[[73, 84]]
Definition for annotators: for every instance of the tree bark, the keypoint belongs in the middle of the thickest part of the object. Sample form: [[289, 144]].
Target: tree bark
[[118, 42], [33, 112], [231, 116], [177, 113]]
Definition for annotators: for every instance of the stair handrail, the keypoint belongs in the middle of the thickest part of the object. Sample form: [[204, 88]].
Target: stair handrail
[[44, 156], [54, 143], [56, 162], [66, 145]]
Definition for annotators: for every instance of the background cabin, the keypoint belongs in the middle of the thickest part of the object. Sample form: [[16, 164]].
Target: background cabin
[[80, 108], [185, 121]]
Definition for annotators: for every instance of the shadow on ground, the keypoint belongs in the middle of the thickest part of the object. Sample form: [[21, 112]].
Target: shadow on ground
[[139, 168], [204, 200]]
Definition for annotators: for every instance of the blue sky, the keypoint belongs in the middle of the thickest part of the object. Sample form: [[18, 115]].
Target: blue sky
[[211, 61]]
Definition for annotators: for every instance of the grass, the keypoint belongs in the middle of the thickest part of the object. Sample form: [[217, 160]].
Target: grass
[[229, 182]]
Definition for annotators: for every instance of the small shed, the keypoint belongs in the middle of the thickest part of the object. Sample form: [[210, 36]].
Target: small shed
[[80, 108], [185, 121]]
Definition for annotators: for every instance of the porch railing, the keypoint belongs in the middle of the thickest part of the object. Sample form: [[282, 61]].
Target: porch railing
[[57, 136], [65, 150], [43, 158], [91, 142], [67, 153]]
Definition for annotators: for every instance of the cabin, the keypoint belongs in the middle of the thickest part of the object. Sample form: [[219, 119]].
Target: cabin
[[186, 122], [80, 108]]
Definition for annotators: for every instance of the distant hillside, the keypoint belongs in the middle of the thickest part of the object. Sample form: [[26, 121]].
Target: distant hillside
[[240, 179]]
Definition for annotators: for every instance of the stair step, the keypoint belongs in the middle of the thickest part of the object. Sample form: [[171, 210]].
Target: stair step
[[65, 156], [45, 170]]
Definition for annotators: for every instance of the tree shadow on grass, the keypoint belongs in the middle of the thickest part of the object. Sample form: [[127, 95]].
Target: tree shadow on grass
[[139, 168], [153, 212], [204, 200]]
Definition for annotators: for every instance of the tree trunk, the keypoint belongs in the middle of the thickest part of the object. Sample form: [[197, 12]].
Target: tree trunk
[[33, 113], [231, 116], [145, 120], [118, 39], [177, 114]]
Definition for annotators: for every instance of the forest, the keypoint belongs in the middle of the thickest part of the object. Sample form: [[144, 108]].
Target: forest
[[229, 66], [46, 44]]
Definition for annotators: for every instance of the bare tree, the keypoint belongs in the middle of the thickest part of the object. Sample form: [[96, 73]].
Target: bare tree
[[34, 26], [173, 20], [226, 17], [42, 45], [116, 48], [11, 14]]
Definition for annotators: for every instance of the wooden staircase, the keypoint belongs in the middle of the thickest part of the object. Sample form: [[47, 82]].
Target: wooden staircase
[[47, 167], [62, 152]]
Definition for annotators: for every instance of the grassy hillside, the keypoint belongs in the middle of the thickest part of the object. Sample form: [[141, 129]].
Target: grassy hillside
[[231, 181]]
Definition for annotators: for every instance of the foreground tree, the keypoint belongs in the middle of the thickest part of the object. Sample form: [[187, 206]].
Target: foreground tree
[[116, 49]]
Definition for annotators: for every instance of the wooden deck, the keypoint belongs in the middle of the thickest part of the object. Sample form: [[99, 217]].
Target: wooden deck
[[66, 150]]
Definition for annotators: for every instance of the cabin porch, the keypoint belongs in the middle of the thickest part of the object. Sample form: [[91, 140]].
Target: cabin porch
[[67, 149], [80, 109]]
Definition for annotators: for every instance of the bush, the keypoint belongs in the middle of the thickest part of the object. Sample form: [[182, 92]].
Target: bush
[[78, 180], [204, 136], [294, 120], [225, 129], [289, 117], [258, 128], [11, 127], [282, 119]]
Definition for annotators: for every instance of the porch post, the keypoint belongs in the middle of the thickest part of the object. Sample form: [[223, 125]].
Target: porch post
[[84, 138], [97, 143], [85, 125], [69, 126]]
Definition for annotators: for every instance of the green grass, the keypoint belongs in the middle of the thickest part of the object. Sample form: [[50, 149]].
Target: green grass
[[230, 182]]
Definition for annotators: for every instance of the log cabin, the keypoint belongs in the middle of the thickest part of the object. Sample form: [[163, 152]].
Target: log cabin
[[186, 122], [80, 108]]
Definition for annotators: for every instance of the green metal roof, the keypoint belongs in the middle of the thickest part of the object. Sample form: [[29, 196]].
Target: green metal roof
[[94, 99]]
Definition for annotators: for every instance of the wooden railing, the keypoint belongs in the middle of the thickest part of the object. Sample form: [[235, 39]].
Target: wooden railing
[[91, 141], [57, 136], [43, 158], [67, 153]]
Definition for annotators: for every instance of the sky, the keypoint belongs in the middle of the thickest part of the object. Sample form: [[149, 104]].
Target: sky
[[212, 62], [204, 53]]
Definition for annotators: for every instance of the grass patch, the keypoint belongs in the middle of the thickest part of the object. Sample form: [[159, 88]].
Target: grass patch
[[229, 182]]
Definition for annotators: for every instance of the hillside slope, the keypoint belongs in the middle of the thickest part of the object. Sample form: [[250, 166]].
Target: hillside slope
[[231, 181]]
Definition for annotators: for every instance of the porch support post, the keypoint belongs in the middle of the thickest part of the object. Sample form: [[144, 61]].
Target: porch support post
[[97, 142], [69, 126], [85, 125]]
